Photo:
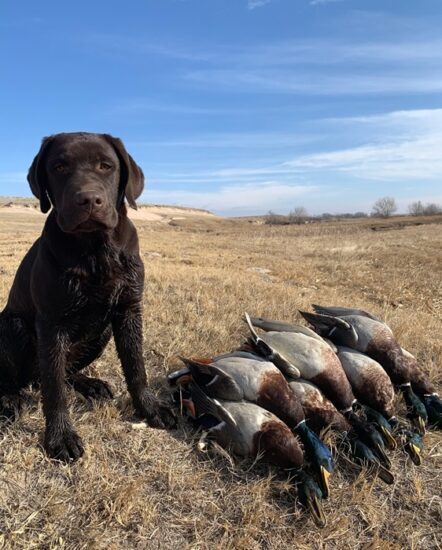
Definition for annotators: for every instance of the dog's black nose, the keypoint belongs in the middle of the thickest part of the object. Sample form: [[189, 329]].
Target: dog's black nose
[[89, 199]]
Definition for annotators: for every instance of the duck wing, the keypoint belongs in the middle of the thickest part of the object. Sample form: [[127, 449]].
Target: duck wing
[[336, 329], [239, 353], [215, 381], [336, 311], [268, 325], [206, 405], [270, 352]]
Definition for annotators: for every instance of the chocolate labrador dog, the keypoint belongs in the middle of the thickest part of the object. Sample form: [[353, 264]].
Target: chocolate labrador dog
[[81, 282]]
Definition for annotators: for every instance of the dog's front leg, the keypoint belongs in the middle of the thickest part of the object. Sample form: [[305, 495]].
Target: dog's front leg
[[60, 441], [127, 326]]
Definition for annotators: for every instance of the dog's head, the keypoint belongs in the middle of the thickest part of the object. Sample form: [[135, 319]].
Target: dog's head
[[85, 177]]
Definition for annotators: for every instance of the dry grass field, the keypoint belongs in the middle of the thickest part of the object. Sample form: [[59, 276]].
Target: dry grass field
[[142, 488]]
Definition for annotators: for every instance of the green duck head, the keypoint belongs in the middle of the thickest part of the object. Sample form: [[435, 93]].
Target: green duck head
[[370, 436], [382, 424], [365, 456], [310, 496], [412, 442], [416, 411], [318, 453], [433, 406]]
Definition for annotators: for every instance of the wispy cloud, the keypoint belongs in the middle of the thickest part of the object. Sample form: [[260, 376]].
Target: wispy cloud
[[287, 82], [405, 146], [318, 2], [253, 4], [398, 148], [239, 199], [146, 105], [290, 53], [139, 45], [235, 140]]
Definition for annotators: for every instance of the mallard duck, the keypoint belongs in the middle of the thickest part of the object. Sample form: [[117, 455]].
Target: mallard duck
[[298, 354], [371, 384], [235, 378], [372, 388], [251, 431], [364, 332], [369, 381], [316, 361]]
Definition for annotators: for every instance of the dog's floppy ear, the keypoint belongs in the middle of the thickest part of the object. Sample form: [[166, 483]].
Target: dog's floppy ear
[[37, 177], [131, 175]]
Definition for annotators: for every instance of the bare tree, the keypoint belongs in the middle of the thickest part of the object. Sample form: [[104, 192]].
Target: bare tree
[[298, 215], [384, 207], [272, 218], [432, 209], [419, 209], [416, 208]]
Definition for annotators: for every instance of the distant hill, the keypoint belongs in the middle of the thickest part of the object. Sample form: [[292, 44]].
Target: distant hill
[[148, 212]]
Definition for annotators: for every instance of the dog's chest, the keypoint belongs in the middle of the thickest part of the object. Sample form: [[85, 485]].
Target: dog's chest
[[94, 288]]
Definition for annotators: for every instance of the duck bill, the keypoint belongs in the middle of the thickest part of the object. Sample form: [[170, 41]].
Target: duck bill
[[323, 476], [314, 506], [419, 424], [385, 475], [414, 452], [390, 441], [382, 456]]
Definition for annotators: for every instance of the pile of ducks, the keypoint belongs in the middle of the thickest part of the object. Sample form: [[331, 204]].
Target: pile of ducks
[[285, 386]]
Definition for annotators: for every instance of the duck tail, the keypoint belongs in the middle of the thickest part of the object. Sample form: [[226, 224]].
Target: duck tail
[[206, 405]]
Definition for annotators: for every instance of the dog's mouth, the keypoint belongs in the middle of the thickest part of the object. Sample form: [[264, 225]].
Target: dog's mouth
[[89, 223], [92, 225]]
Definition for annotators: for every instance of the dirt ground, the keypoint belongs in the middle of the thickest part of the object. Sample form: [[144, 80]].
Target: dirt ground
[[142, 488]]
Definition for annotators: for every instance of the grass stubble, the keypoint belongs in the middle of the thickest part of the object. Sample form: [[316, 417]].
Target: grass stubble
[[142, 488]]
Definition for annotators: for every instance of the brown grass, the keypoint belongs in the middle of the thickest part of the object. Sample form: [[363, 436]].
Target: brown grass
[[143, 488]]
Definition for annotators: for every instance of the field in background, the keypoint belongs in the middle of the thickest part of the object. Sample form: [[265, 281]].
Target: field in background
[[143, 488]]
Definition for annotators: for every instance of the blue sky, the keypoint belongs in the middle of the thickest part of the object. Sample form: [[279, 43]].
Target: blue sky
[[238, 106]]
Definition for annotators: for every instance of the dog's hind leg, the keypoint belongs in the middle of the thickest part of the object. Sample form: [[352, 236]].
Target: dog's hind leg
[[17, 363], [91, 388]]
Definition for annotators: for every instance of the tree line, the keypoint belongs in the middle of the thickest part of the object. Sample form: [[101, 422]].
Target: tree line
[[384, 207]]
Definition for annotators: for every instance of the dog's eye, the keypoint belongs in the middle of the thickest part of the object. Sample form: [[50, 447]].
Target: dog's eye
[[104, 166], [60, 167]]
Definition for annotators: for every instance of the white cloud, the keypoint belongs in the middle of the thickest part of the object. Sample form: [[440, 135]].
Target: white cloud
[[252, 4], [240, 199], [399, 147], [405, 146], [317, 2]]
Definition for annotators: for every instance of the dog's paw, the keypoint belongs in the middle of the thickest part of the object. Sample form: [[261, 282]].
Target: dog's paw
[[65, 445], [92, 388], [10, 407], [156, 413]]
